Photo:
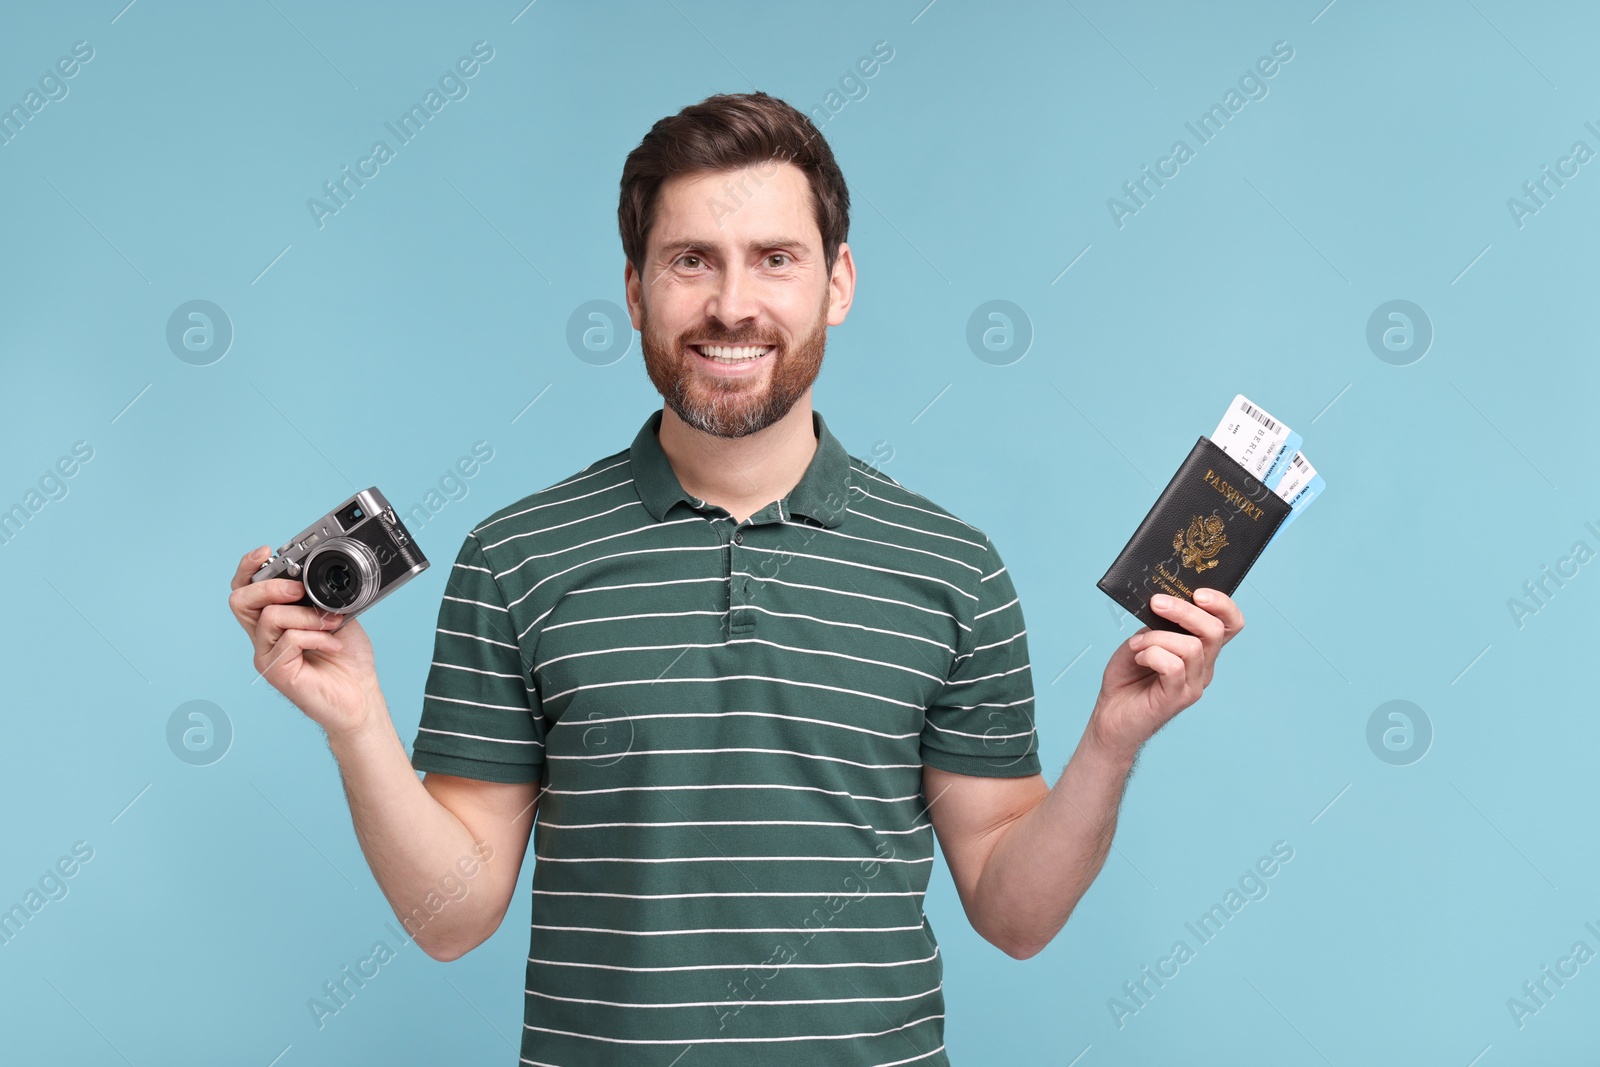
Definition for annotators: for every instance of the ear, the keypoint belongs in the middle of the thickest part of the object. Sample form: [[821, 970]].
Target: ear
[[633, 289], [841, 285]]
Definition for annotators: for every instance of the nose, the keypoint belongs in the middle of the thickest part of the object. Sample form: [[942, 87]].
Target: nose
[[733, 301]]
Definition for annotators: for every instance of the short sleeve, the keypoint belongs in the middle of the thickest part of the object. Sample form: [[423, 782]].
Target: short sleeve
[[981, 723], [480, 715]]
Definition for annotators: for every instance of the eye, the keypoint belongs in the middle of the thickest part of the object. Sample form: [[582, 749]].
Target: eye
[[778, 255], [685, 260]]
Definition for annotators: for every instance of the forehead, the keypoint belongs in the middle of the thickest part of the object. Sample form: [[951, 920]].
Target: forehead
[[732, 207]]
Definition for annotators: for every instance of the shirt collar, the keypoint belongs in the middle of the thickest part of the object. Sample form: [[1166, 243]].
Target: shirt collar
[[821, 494]]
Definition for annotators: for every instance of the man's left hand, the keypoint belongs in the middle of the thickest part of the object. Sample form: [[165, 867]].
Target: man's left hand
[[1155, 674]]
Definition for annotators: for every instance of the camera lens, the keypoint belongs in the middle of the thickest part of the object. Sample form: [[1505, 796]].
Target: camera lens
[[332, 580], [337, 582], [341, 575]]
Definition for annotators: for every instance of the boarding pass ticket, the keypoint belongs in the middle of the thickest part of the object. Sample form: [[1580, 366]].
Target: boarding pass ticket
[[1269, 450]]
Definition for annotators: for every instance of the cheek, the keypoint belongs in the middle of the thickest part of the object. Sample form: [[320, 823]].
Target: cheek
[[674, 310], [797, 313], [672, 333]]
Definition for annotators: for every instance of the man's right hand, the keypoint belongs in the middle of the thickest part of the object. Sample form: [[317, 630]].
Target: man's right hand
[[332, 678]]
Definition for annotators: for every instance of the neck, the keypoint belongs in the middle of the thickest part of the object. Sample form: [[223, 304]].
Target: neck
[[742, 474]]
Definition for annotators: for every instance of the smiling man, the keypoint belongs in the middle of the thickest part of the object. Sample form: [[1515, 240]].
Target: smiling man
[[742, 678]]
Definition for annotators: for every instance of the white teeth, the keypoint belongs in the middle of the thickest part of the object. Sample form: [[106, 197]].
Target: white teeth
[[729, 354]]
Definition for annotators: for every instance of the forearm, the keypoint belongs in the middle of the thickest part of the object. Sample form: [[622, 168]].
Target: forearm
[[1044, 859], [1047, 858], [413, 843]]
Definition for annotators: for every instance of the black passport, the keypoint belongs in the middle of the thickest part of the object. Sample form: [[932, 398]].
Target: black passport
[[1205, 530]]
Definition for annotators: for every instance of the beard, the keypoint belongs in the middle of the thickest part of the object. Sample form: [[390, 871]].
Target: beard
[[733, 407]]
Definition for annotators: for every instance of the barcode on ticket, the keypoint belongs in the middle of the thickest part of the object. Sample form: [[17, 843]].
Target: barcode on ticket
[[1260, 416]]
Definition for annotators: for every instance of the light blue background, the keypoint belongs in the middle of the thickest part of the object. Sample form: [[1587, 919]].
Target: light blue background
[[429, 312]]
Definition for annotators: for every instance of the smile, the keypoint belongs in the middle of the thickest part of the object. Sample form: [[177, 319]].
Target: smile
[[729, 354]]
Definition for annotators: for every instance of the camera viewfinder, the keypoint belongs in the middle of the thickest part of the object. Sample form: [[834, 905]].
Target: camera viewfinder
[[351, 515]]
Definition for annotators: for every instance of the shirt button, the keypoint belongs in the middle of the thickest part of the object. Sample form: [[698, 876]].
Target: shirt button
[[738, 538]]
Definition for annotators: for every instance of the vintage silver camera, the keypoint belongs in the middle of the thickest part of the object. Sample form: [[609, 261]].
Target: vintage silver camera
[[349, 559]]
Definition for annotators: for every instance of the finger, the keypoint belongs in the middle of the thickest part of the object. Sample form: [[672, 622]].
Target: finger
[[1187, 647], [1164, 662], [249, 564], [283, 659], [257, 595], [1196, 620], [1223, 607], [278, 618], [249, 601]]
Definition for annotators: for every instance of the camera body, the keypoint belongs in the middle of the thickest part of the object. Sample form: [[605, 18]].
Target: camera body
[[349, 559]]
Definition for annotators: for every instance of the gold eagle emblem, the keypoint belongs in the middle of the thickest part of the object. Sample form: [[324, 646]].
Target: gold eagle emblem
[[1200, 543]]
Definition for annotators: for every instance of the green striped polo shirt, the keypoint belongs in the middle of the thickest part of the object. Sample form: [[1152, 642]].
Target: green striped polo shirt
[[728, 722]]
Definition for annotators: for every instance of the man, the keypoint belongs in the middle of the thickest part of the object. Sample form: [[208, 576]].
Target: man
[[742, 677]]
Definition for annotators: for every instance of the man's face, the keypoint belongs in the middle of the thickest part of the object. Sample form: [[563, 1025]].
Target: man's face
[[734, 304]]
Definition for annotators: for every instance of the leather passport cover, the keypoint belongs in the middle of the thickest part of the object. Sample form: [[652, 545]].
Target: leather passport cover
[[1206, 529]]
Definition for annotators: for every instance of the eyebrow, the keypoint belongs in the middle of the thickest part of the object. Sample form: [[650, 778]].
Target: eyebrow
[[683, 243]]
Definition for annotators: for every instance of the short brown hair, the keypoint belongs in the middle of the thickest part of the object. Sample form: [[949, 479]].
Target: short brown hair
[[726, 132]]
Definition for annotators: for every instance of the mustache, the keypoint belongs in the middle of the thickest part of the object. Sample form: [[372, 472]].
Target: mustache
[[732, 339]]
